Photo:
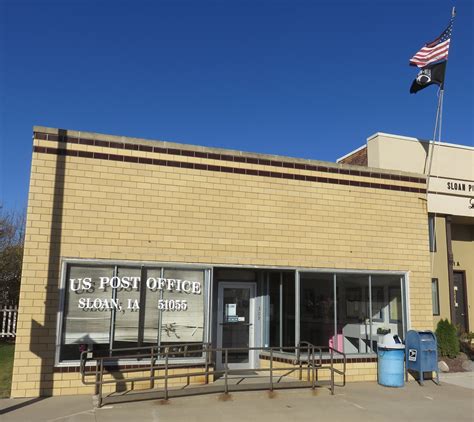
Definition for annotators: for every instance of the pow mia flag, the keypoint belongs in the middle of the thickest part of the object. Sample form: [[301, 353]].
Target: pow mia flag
[[431, 60], [429, 75]]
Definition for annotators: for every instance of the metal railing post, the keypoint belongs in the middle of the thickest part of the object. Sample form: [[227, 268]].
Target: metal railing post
[[332, 371], [226, 368], [166, 374], [152, 368], [206, 364], [299, 363], [271, 369], [101, 381], [313, 386], [97, 378], [309, 363]]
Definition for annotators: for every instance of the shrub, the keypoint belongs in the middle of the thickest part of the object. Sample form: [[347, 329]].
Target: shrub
[[448, 343]]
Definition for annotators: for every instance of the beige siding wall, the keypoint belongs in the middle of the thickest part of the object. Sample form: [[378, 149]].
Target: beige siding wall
[[440, 270], [100, 209]]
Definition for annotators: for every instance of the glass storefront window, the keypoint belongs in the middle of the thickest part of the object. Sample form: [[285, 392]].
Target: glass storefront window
[[184, 325], [368, 306], [127, 320], [151, 313], [115, 307], [80, 324], [390, 309], [281, 287], [317, 308], [171, 312], [353, 322]]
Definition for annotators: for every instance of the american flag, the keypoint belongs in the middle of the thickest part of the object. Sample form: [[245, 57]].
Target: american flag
[[434, 51]]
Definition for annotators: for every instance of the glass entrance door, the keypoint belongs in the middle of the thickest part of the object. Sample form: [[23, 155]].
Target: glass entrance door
[[460, 301], [236, 323]]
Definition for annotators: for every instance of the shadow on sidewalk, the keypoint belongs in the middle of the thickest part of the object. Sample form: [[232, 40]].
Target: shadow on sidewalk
[[20, 405]]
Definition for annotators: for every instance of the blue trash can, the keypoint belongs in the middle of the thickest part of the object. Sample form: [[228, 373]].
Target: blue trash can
[[391, 369]]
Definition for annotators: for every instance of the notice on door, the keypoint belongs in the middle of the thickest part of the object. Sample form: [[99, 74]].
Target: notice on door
[[231, 312], [230, 309]]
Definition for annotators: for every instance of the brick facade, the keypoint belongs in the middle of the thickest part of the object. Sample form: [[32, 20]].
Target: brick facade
[[103, 197]]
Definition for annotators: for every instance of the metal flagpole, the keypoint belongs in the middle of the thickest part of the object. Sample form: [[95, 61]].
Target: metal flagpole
[[439, 118], [432, 147]]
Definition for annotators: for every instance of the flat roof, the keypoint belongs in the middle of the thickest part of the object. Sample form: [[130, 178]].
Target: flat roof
[[190, 147], [405, 138]]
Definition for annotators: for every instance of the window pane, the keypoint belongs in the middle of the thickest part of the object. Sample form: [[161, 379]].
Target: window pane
[[274, 293], [282, 321], [317, 308], [150, 309], [378, 303], [432, 233], [389, 308], [353, 323], [435, 295], [89, 324], [288, 309], [395, 301], [127, 319], [187, 325]]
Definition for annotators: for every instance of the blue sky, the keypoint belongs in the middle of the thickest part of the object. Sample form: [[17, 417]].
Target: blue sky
[[309, 79]]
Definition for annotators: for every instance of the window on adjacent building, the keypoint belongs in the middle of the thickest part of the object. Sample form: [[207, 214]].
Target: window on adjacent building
[[432, 232], [435, 296]]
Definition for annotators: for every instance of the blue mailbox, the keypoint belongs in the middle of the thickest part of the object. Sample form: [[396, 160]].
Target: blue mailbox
[[421, 353]]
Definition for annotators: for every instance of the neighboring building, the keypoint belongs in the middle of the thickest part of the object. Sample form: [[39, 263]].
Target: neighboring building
[[451, 213], [248, 249]]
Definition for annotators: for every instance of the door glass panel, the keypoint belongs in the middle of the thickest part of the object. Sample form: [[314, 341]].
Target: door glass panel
[[459, 303], [236, 323]]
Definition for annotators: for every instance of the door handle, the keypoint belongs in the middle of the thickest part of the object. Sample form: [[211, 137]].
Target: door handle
[[235, 323]]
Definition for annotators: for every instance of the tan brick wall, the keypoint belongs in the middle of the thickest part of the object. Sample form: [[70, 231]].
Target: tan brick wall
[[114, 210]]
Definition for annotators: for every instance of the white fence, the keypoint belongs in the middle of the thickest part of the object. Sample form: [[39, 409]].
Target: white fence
[[8, 316]]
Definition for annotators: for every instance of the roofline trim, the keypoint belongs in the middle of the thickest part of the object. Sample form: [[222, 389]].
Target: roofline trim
[[410, 138], [350, 153]]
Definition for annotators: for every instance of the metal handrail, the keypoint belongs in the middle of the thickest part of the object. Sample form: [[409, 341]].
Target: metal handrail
[[344, 362], [312, 360]]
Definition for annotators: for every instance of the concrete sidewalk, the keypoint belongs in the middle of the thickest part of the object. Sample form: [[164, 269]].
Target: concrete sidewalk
[[356, 402], [461, 379]]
